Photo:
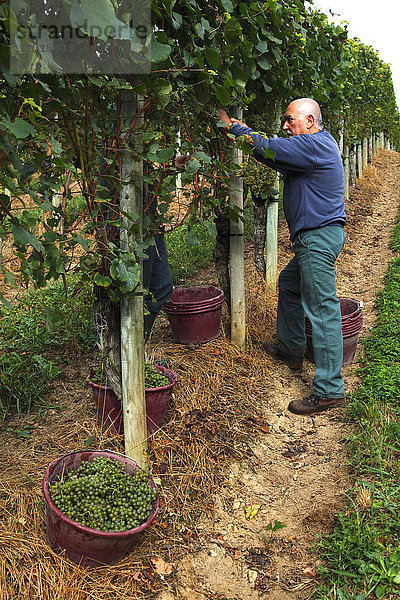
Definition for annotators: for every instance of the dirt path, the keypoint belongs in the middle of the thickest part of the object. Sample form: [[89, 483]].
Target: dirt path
[[298, 472]]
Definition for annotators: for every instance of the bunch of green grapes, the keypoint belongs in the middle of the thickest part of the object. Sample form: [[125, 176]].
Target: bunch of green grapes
[[154, 378], [100, 495]]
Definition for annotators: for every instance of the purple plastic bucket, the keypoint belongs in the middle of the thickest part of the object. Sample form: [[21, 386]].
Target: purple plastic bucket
[[349, 349], [82, 545], [194, 314], [157, 400], [109, 410], [352, 321], [195, 297], [108, 406]]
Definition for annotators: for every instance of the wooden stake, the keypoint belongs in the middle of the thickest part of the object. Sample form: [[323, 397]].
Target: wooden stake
[[359, 160], [236, 247], [271, 254], [352, 166], [132, 341], [365, 152], [346, 172]]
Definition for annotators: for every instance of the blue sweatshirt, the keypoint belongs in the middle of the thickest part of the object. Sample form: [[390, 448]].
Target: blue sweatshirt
[[313, 175]]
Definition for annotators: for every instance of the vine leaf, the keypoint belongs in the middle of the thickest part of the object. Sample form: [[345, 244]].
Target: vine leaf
[[18, 128], [222, 94], [24, 237], [97, 19], [159, 52]]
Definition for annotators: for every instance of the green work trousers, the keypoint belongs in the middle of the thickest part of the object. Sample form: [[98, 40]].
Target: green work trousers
[[307, 285]]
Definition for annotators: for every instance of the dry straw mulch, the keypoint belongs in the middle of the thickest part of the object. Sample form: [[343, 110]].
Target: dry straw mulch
[[212, 420]]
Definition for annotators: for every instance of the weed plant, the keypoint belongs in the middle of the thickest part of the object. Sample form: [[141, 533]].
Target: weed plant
[[362, 555], [23, 381]]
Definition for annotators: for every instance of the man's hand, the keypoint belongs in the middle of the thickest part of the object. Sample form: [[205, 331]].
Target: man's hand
[[224, 117], [181, 161], [228, 120], [237, 121]]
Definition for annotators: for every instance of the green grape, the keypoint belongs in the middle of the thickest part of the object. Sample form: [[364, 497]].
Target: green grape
[[154, 378], [100, 495]]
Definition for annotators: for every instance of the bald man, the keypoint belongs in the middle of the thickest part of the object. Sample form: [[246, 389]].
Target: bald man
[[313, 203]]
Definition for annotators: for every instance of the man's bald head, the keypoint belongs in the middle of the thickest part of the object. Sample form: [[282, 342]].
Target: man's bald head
[[308, 106], [302, 116]]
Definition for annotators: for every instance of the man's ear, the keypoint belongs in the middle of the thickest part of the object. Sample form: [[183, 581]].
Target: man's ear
[[310, 121]]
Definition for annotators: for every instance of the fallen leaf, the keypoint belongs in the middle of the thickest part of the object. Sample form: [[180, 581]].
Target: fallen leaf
[[265, 429], [309, 571], [252, 510], [161, 566]]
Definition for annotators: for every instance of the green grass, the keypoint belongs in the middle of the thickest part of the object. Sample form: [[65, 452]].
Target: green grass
[[361, 558]]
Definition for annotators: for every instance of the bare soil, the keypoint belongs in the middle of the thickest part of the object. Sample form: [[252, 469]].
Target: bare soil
[[297, 472]]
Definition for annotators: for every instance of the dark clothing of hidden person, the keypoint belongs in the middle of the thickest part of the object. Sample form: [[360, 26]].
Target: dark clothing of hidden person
[[157, 279], [313, 202], [157, 276]]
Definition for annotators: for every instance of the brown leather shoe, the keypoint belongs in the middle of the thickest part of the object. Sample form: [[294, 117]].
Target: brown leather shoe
[[313, 404], [294, 362]]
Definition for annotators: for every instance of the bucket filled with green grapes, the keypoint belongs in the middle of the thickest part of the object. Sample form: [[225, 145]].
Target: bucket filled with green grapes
[[98, 503], [159, 382]]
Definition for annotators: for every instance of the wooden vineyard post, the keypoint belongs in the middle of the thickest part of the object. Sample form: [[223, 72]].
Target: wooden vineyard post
[[346, 164], [359, 160], [132, 340], [341, 134], [352, 166], [236, 252], [271, 252], [7, 193], [178, 180], [365, 152]]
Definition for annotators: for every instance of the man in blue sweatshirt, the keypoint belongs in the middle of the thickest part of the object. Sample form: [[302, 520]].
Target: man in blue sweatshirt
[[313, 203]]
